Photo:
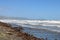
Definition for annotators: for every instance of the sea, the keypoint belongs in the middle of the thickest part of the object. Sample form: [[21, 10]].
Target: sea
[[42, 32], [46, 32]]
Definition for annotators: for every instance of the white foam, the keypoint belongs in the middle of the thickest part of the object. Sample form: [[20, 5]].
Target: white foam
[[44, 23]]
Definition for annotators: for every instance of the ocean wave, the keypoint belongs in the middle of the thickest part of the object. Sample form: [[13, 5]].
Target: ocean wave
[[38, 24]]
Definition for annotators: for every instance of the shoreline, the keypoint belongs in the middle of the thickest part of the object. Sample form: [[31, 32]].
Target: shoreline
[[18, 32]]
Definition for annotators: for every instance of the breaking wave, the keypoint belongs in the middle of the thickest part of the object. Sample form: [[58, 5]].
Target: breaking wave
[[51, 25]]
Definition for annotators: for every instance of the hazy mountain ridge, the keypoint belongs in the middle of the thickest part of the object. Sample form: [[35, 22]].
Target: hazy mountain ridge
[[16, 18], [22, 18]]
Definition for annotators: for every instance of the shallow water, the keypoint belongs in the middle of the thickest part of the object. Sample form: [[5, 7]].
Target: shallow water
[[40, 33]]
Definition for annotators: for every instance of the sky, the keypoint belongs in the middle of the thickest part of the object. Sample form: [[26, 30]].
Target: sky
[[32, 9]]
